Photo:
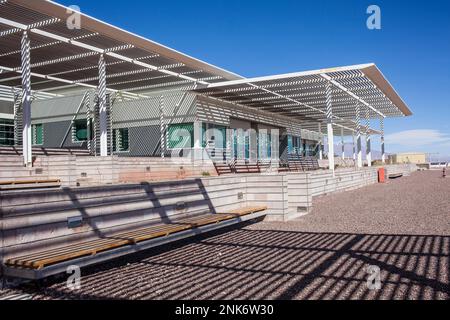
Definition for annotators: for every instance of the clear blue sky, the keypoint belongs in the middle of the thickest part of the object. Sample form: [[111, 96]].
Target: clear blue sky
[[256, 37]]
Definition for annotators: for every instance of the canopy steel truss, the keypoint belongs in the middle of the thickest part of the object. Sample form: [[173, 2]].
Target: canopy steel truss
[[333, 96], [38, 51]]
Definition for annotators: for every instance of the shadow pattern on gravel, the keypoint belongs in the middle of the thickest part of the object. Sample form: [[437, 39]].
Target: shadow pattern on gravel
[[268, 264]]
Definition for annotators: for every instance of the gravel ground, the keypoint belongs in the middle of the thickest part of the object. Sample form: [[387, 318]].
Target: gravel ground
[[401, 228]]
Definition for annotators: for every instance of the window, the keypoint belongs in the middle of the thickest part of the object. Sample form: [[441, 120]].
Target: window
[[290, 145], [294, 145], [265, 144], [120, 140], [214, 136], [37, 134], [80, 132], [6, 132], [181, 135]]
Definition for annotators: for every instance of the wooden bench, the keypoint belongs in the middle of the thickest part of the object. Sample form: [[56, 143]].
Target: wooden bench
[[27, 184], [395, 175], [246, 168], [298, 163], [45, 258], [311, 164], [223, 168], [241, 167]]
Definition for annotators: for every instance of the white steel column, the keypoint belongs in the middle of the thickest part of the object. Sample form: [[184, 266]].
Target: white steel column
[[198, 138], [383, 153], [320, 142], [330, 134], [26, 101], [343, 144], [358, 136], [162, 127], [353, 146], [103, 117], [368, 146]]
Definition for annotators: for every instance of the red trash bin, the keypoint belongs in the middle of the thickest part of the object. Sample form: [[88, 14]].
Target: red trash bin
[[381, 175]]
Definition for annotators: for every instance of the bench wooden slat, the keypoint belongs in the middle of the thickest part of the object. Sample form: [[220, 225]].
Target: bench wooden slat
[[87, 245], [249, 210], [14, 182], [164, 228], [39, 260]]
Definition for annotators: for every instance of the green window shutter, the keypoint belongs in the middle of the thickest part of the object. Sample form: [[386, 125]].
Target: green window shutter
[[203, 135], [6, 132], [124, 142], [223, 131], [80, 127], [37, 132], [178, 137], [120, 140], [247, 145], [269, 145]]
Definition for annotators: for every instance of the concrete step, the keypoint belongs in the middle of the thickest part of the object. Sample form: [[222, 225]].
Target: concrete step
[[130, 202], [28, 187], [11, 158], [17, 174], [137, 209], [10, 165], [43, 151], [103, 193], [19, 168]]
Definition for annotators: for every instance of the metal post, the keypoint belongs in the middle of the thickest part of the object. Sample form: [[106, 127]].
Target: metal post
[[353, 146], [330, 127], [162, 127], [103, 117], [320, 142], [383, 153], [343, 144], [198, 138], [368, 146], [26, 101], [358, 136], [89, 123]]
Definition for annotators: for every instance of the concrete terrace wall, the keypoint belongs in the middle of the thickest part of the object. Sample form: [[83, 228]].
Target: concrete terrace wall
[[36, 220], [85, 170], [269, 190], [290, 195], [404, 169]]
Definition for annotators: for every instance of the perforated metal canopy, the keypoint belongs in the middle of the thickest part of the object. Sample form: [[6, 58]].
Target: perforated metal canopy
[[302, 95], [64, 58]]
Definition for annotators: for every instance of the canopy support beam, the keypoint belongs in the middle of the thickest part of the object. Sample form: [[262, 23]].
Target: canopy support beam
[[351, 94], [162, 127], [383, 153], [343, 144], [330, 133], [353, 146], [368, 145], [88, 47], [103, 117], [26, 101], [358, 136], [320, 142]]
